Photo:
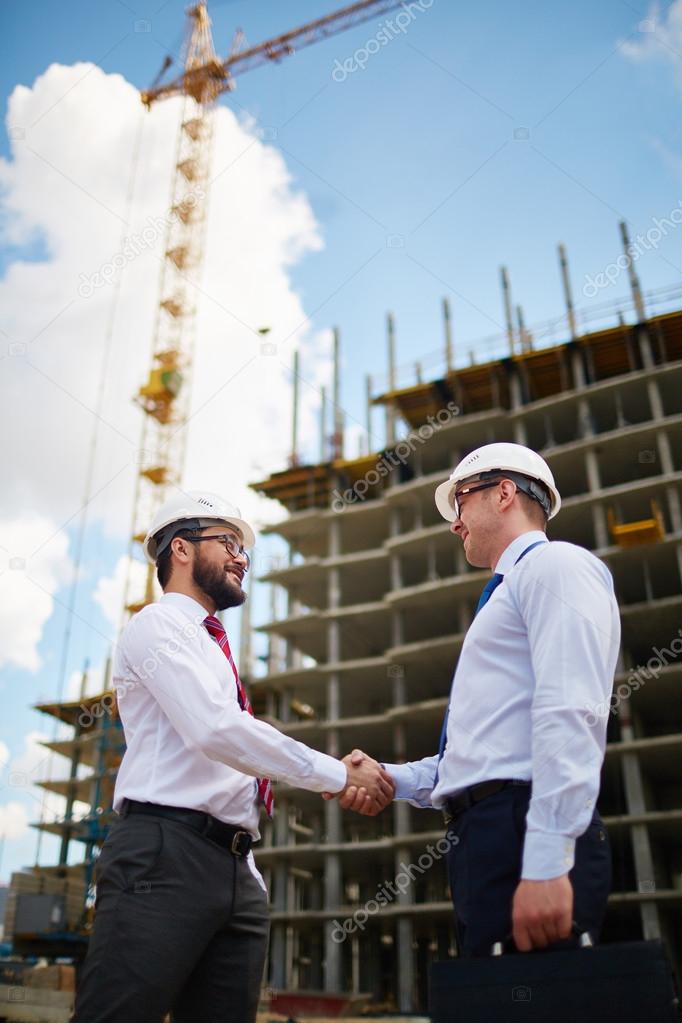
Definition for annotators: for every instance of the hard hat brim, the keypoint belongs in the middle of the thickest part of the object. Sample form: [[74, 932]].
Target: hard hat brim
[[443, 496]]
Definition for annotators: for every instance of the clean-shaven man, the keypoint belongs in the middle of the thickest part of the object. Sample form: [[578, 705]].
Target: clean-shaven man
[[517, 772], [181, 921]]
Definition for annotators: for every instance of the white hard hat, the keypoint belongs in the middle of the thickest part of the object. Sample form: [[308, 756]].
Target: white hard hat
[[504, 458], [194, 509]]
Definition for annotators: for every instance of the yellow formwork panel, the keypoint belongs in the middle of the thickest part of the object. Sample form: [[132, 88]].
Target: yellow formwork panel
[[632, 534]]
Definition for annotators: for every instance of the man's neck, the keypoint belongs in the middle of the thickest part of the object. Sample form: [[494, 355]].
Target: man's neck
[[505, 543], [195, 593]]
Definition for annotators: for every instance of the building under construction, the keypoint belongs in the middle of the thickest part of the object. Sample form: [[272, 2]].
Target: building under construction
[[380, 595]]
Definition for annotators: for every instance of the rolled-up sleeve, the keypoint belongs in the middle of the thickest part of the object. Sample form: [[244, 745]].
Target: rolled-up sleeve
[[162, 656], [567, 603]]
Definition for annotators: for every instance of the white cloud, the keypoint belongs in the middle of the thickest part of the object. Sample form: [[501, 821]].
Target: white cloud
[[109, 590], [13, 820], [660, 36], [65, 186], [34, 563], [31, 765]]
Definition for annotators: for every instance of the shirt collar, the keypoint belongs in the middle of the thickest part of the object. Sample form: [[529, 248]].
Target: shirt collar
[[511, 553], [191, 607]]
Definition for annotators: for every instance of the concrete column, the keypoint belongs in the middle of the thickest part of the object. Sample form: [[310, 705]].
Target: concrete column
[[599, 523], [401, 820], [641, 845], [333, 962], [668, 466], [578, 369], [664, 452], [645, 349], [585, 427], [395, 568], [333, 883], [520, 433], [295, 657], [463, 615], [515, 392], [602, 537], [401, 811], [431, 573], [395, 572], [592, 467], [654, 393], [278, 945], [271, 704]]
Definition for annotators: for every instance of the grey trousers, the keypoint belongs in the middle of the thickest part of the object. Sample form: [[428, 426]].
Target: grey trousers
[[181, 926]]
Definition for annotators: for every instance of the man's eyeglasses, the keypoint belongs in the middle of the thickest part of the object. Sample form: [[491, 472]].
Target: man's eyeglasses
[[230, 543], [471, 489]]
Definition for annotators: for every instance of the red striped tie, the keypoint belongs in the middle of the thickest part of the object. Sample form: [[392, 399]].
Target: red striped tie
[[217, 632]]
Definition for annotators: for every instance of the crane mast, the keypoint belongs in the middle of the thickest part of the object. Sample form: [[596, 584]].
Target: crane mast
[[165, 396]]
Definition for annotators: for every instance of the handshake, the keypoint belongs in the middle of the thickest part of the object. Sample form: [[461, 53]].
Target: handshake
[[369, 788]]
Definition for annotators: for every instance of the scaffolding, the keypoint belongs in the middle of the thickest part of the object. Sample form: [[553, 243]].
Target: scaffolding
[[94, 749]]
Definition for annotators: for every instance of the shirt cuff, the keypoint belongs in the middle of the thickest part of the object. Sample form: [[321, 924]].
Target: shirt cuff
[[327, 775], [546, 855], [403, 778]]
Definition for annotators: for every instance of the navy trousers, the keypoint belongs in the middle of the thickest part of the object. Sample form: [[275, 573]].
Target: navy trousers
[[484, 869]]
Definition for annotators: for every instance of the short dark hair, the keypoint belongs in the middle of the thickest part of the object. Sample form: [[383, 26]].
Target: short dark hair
[[533, 509], [164, 563]]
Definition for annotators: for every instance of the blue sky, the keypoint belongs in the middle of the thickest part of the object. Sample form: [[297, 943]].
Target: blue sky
[[484, 134]]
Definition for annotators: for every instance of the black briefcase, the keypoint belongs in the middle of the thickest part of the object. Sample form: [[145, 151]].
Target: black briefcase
[[627, 983]]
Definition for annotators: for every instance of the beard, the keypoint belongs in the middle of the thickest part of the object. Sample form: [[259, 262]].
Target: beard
[[222, 589]]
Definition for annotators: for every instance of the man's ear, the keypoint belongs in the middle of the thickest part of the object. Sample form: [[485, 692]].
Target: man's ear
[[180, 546], [507, 490]]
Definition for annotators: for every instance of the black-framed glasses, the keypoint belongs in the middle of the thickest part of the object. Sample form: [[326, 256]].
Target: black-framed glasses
[[465, 491], [230, 543]]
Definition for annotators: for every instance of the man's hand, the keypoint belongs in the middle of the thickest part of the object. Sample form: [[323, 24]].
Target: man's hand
[[369, 788], [542, 912]]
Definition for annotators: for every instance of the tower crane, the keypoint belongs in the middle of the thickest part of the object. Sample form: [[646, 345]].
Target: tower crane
[[165, 396]]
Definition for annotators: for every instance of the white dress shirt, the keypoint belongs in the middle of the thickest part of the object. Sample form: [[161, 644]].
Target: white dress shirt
[[530, 697], [189, 744]]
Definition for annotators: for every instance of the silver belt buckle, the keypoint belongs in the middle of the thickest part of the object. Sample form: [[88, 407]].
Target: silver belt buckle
[[236, 838]]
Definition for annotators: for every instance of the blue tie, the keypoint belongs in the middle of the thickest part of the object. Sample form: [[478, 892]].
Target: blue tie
[[486, 594]]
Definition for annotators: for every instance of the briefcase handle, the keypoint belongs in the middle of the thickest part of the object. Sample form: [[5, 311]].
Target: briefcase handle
[[498, 948]]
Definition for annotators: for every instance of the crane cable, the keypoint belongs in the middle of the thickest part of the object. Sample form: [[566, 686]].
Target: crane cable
[[88, 495]]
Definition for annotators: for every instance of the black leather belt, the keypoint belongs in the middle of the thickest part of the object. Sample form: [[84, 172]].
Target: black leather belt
[[234, 839], [455, 805]]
